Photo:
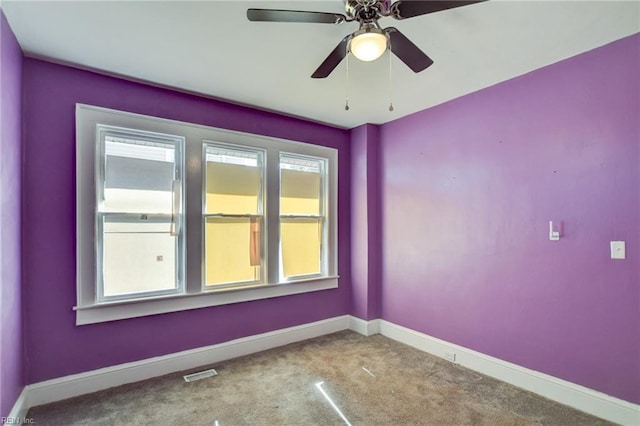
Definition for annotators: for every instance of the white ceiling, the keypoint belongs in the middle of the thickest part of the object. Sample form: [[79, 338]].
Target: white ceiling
[[210, 48]]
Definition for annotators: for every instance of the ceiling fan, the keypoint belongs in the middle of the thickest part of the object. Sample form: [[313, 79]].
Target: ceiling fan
[[370, 41]]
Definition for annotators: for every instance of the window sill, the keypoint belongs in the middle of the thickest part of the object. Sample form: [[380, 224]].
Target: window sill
[[113, 311]]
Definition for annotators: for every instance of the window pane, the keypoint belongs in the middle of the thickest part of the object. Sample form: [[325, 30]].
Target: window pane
[[233, 247], [138, 175], [138, 257], [301, 246], [233, 182], [300, 186], [301, 211]]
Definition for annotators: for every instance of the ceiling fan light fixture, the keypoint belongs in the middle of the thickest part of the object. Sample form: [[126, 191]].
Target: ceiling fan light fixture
[[368, 43]]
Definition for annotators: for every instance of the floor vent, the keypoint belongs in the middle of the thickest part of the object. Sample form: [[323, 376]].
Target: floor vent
[[200, 375]]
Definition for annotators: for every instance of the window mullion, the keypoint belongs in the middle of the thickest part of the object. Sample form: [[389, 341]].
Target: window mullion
[[272, 222]]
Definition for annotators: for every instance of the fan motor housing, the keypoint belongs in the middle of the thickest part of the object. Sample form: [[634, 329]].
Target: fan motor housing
[[366, 10]]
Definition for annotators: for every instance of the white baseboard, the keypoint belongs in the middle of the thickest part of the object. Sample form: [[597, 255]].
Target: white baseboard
[[562, 391], [104, 378], [19, 410], [579, 397], [366, 328]]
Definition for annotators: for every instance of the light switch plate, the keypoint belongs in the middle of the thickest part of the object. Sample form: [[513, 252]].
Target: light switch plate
[[618, 250]]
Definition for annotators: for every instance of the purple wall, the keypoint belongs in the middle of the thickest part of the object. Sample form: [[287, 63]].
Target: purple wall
[[11, 338], [365, 222], [56, 347], [468, 190]]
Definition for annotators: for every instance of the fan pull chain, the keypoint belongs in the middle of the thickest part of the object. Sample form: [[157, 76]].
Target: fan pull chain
[[346, 104], [390, 88]]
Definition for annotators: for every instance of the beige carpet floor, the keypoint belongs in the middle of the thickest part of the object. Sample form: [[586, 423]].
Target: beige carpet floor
[[400, 386]]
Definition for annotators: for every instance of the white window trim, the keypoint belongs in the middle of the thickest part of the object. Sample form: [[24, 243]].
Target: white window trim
[[88, 311]]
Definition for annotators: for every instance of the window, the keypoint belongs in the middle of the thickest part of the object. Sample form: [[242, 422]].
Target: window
[[302, 217], [233, 215], [174, 216], [139, 250]]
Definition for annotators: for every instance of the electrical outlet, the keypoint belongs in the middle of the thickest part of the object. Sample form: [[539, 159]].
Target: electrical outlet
[[618, 250], [450, 356]]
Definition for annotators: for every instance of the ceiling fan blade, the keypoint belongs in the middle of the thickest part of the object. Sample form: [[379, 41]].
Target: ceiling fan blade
[[273, 15], [410, 8], [408, 52], [333, 59]]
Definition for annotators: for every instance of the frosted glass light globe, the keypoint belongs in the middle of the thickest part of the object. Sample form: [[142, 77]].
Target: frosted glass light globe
[[368, 46]]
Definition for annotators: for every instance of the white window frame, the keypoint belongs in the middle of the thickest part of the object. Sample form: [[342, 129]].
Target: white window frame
[[262, 202], [193, 295], [322, 215], [102, 132]]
